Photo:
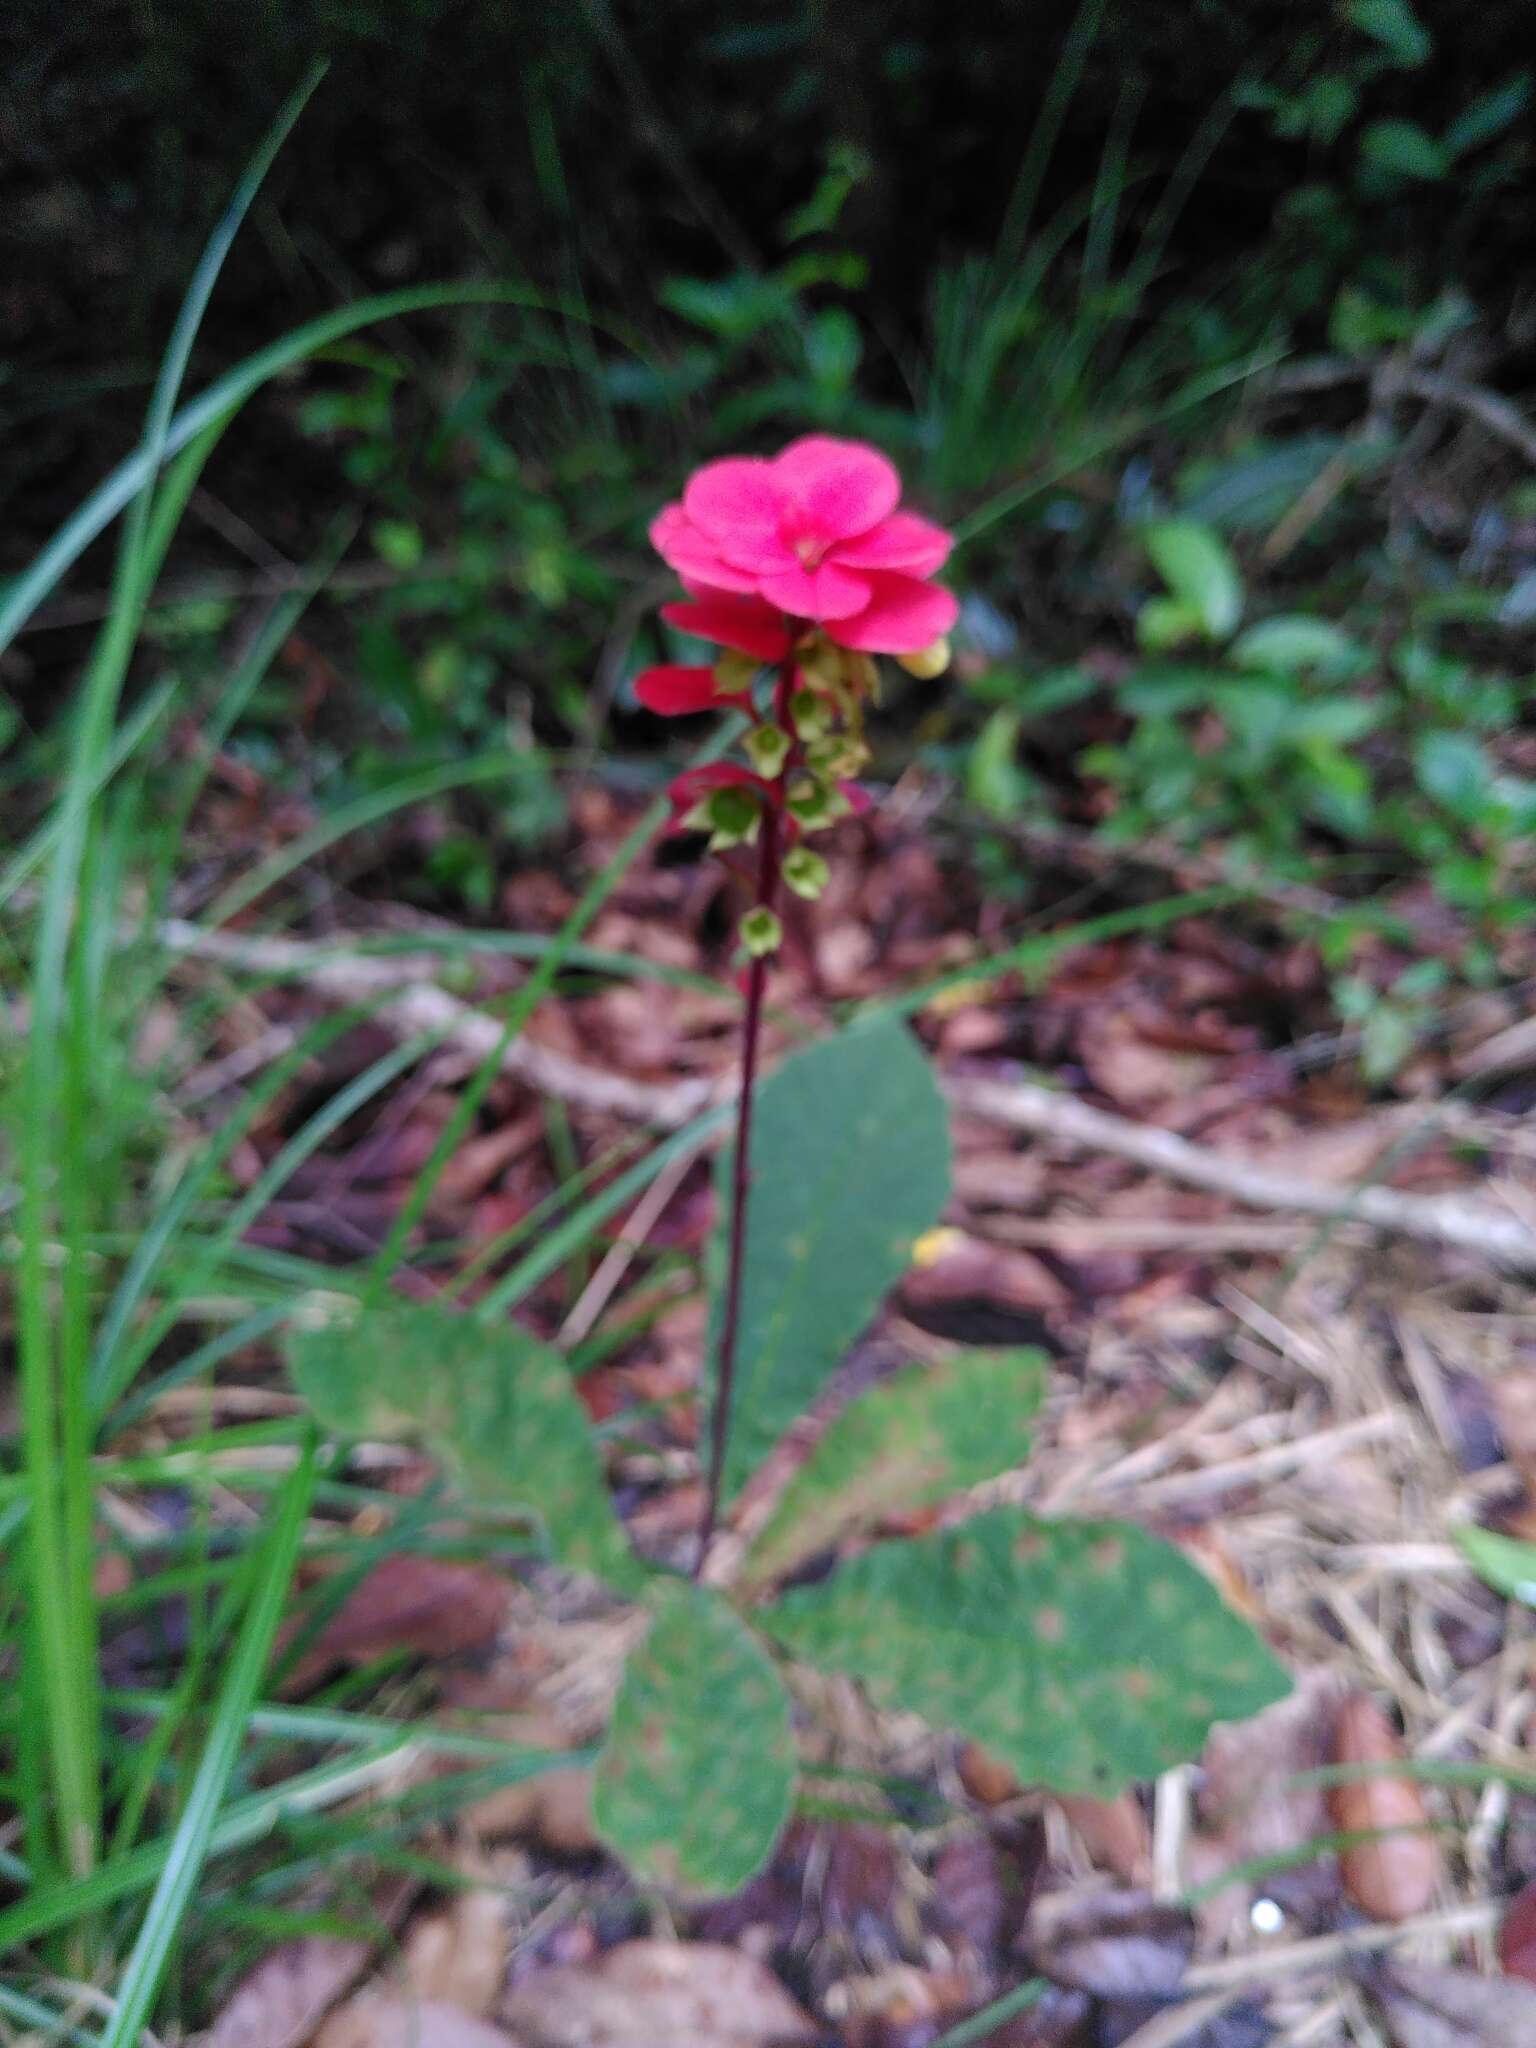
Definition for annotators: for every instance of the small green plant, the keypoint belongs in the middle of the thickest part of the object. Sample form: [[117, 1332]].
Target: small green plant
[[1085, 1655]]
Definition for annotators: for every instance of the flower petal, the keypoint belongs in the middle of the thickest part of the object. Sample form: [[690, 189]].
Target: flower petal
[[839, 488], [682, 547], [747, 624], [903, 541], [672, 689], [738, 504], [826, 592], [903, 614]]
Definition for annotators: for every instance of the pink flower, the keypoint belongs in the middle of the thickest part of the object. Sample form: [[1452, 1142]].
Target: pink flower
[[814, 534]]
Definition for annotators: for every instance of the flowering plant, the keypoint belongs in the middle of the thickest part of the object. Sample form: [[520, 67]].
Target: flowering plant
[[804, 567], [1083, 1655]]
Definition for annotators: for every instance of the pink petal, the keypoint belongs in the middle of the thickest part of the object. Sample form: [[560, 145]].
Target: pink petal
[[737, 504], [839, 487], [903, 542], [682, 547], [826, 592], [747, 624], [903, 614], [673, 689]]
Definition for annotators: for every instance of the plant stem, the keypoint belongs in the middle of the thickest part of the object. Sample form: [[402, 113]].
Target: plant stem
[[768, 858]]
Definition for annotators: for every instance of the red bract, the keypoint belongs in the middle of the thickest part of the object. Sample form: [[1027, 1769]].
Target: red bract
[[816, 535], [674, 689]]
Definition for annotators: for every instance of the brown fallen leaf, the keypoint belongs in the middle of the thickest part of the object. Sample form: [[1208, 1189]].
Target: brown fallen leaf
[[281, 2000], [1517, 1936], [388, 2019], [949, 1266], [646, 1993], [1441, 2008], [424, 1604], [1115, 1944], [1514, 1410], [1115, 1834], [1396, 1876], [458, 1956], [986, 1777], [554, 1808]]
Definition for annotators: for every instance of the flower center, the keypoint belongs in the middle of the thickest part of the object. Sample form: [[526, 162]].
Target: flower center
[[808, 552]]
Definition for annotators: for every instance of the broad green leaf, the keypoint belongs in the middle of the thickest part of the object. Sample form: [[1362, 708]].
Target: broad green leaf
[[1404, 149], [1453, 769], [928, 1432], [494, 1403], [1292, 643], [1487, 116], [850, 1165], [1084, 1654], [695, 1780], [1507, 1564], [1164, 623], [1197, 566], [1395, 26]]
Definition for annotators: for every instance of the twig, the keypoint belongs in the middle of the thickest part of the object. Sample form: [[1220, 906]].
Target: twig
[[1439, 1219], [1462, 1221], [616, 1261], [1292, 1957]]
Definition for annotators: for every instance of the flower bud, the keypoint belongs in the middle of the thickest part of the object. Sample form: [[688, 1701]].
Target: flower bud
[[736, 673], [812, 715], [822, 661], [816, 804], [806, 873], [761, 933], [840, 756], [729, 816], [926, 662], [767, 749]]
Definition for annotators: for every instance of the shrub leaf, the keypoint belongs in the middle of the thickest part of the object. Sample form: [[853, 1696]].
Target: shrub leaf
[[850, 1159], [496, 1405], [695, 1779], [1085, 1655], [926, 1433]]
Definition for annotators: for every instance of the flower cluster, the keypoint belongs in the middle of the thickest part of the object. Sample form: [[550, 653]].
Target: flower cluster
[[803, 565]]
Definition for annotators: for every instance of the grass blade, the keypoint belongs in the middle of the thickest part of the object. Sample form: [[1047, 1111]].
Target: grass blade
[[189, 1846]]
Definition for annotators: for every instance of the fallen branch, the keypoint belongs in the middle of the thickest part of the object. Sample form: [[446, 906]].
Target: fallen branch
[[1451, 1219], [419, 1005]]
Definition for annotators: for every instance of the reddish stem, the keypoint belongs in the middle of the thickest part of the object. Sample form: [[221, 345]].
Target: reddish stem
[[769, 850]]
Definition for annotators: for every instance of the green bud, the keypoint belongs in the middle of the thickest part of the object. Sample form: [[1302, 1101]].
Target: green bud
[[839, 756], [812, 715], [735, 673], [815, 803], [761, 933], [823, 661], [806, 873], [730, 816], [768, 749], [926, 662]]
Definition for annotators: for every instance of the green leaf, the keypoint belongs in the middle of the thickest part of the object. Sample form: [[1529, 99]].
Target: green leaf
[[1396, 27], [494, 1403], [1508, 1565], [1452, 768], [996, 781], [1404, 149], [1488, 115], [1084, 1654], [695, 1780], [1198, 567], [1292, 643], [1166, 622], [928, 1432], [850, 1165]]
